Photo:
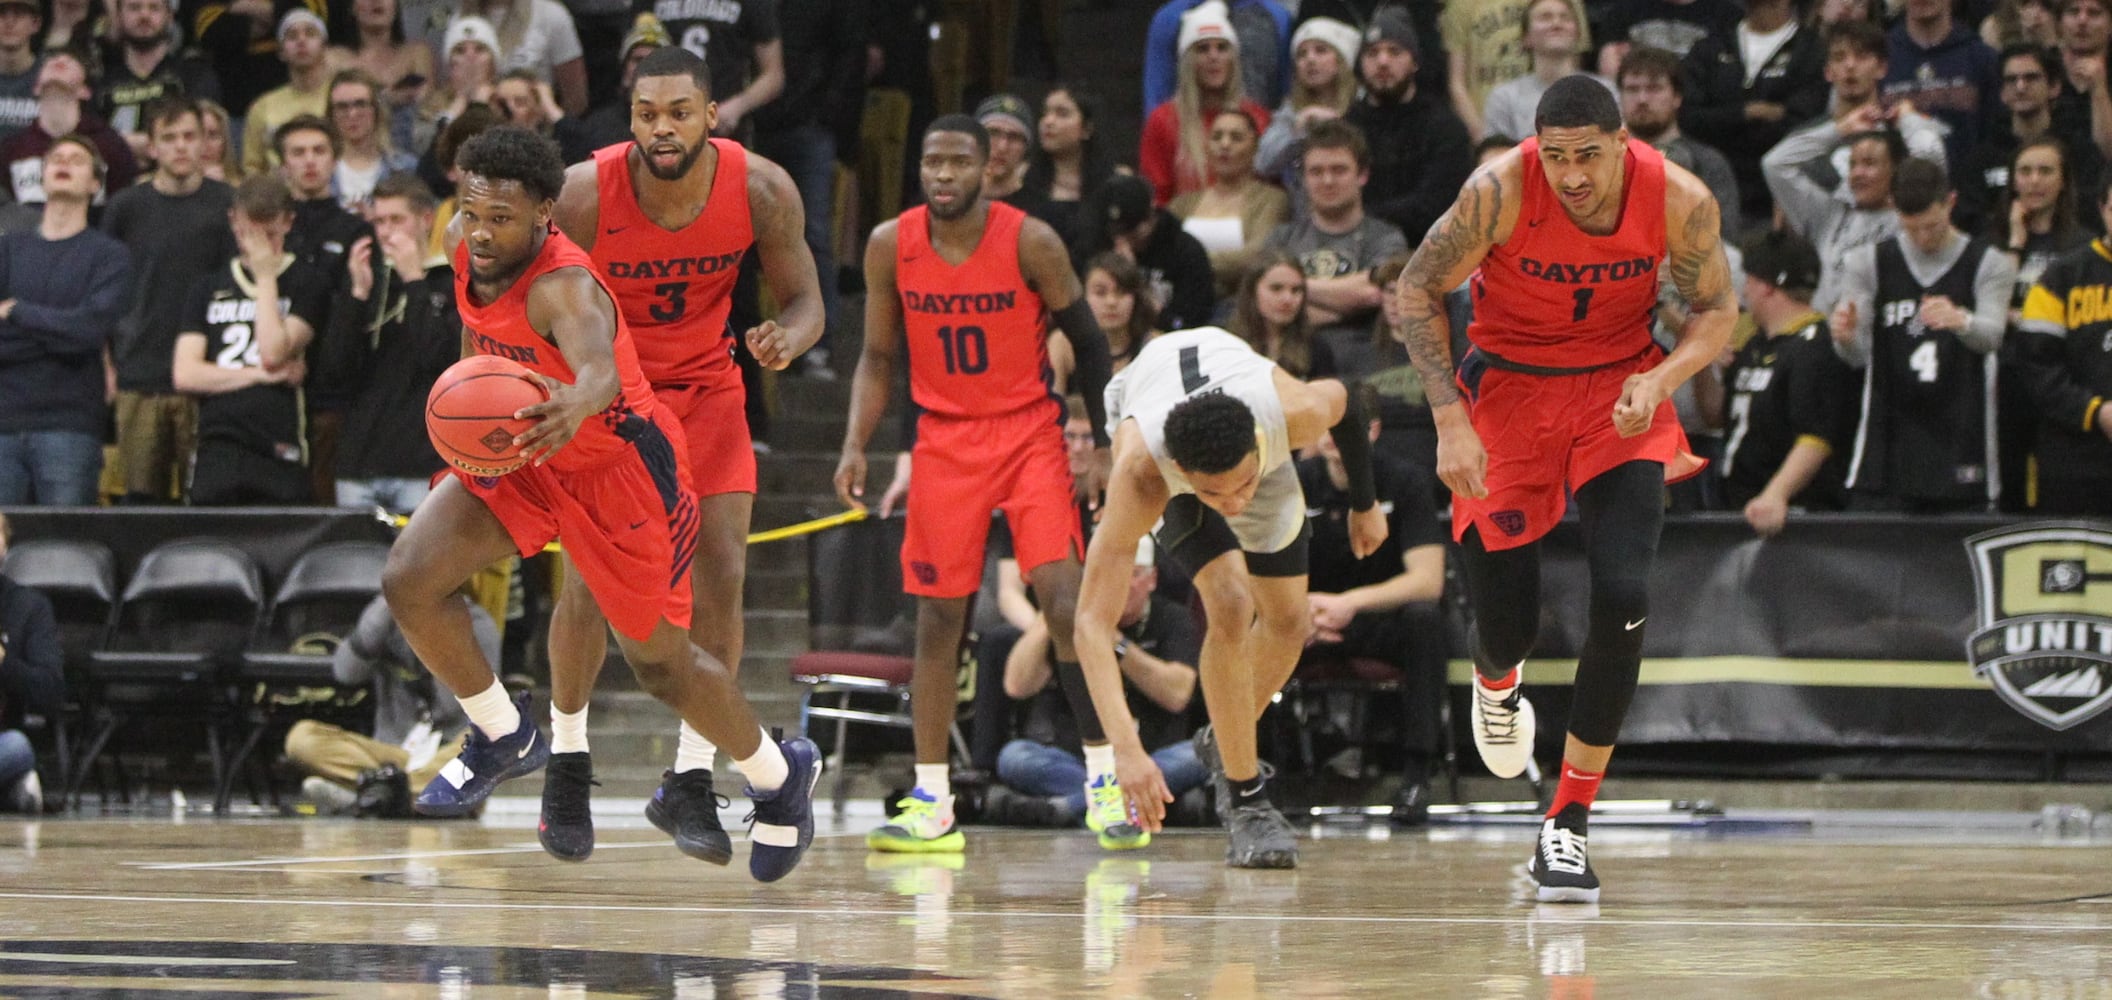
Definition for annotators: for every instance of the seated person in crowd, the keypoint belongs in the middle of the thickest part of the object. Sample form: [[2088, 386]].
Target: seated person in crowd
[[1157, 650], [1377, 358], [1175, 265], [1232, 214], [418, 725], [1790, 402], [1383, 606], [1924, 312], [240, 350], [1335, 241], [2064, 352], [394, 329], [32, 682]]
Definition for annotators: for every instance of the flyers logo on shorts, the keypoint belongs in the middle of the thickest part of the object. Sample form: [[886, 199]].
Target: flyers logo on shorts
[[2043, 630], [926, 573], [1510, 522]]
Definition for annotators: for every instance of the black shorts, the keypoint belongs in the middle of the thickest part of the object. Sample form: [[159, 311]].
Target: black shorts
[[1193, 534]]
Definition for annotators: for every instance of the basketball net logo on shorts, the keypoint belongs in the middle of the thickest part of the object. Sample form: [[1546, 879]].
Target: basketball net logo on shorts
[[2043, 628]]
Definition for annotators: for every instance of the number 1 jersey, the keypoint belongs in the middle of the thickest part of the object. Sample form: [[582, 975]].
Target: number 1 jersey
[[977, 337]]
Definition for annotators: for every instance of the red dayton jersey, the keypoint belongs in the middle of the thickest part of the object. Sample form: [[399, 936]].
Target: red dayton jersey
[[502, 328], [1557, 297], [977, 346], [675, 287]]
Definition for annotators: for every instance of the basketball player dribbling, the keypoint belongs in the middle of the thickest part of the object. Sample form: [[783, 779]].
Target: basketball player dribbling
[[667, 218], [1564, 393], [605, 475]]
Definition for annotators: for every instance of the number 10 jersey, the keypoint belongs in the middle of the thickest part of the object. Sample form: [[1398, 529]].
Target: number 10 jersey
[[977, 334]]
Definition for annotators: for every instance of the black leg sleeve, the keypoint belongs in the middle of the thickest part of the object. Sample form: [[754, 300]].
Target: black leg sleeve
[[1623, 512], [1504, 590]]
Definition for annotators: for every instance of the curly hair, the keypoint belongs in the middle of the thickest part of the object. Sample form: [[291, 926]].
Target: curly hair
[[512, 153], [1210, 433]]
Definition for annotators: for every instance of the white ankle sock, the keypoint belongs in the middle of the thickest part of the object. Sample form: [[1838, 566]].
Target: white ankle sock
[[492, 712], [935, 781], [694, 752], [766, 771], [1099, 760], [568, 730]]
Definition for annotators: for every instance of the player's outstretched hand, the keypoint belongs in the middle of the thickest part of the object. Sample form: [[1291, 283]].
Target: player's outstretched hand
[[1367, 530], [1462, 463], [850, 478], [768, 344], [1144, 785], [1641, 395], [897, 488], [556, 420]]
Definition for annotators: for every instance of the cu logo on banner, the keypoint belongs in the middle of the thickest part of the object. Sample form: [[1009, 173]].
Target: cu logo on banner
[[2043, 628]]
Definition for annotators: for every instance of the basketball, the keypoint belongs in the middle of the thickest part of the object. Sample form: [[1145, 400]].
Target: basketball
[[470, 413]]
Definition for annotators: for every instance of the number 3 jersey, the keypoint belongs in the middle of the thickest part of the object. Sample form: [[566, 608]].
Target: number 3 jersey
[[675, 287], [978, 345], [269, 420]]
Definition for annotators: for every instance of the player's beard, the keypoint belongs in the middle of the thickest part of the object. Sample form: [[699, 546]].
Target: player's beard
[[681, 167], [962, 205]]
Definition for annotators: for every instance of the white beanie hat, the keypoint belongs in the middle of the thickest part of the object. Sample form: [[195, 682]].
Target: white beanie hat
[[1334, 34], [1208, 19]]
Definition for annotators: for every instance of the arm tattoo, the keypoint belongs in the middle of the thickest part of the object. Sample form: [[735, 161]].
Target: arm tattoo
[[1465, 231], [1699, 269]]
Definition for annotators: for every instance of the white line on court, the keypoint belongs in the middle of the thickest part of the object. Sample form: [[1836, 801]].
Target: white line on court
[[325, 859], [1521, 920]]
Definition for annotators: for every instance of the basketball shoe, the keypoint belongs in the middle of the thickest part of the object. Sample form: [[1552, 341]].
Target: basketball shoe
[[566, 827], [1107, 814], [1261, 838], [468, 780], [782, 826], [686, 808], [923, 826], [1561, 866], [1503, 727]]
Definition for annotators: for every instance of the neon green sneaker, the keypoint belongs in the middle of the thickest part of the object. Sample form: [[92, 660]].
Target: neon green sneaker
[[1107, 814], [922, 827]]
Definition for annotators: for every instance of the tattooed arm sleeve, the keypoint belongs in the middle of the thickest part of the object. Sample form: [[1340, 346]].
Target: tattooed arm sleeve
[[1700, 272], [1450, 252]]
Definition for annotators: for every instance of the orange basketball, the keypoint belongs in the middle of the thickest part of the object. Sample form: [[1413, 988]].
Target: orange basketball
[[469, 413]]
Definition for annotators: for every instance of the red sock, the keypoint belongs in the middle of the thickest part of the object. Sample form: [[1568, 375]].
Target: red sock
[[1576, 786], [1504, 683]]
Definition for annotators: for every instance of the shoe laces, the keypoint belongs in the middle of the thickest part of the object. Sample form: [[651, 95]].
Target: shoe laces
[[690, 781], [1563, 850], [919, 816], [1109, 805], [1499, 713], [571, 804]]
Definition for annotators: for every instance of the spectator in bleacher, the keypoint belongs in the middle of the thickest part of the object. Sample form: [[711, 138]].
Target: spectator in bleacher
[[1323, 85], [240, 351], [1114, 288], [2030, 79], [2021, 22], [1552, 41], [32, 682], [1924, 313], [1069, 163], [472, 53], [147, 63], [1176, 267], [1407, 430], [62, 90], [1010, 124], [175, 226], [1943, 68], [217, 157], [322, 236], [19, 21], [523, 100], [1651, 94], [395, 325], [1262, 29], [610, 121], [1744, 93], [1676, 26], [306, 91], [1268, 312], [1157, 648], [1421, 153], [742, 45], [1790, 406], [813, 126], [1827, 13], [2036, 220], [418, 724], [366, 156], [2064, 352], [1335, 241], [1483, 39], [538, 35], [1237, 211], [63, 288], [402, 68], [1383, 606], [1174, 154], [473, 122], [2086, 33], [240, 41]]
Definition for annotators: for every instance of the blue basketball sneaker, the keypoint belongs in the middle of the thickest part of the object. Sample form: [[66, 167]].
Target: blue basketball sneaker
[[782, 825], [463, 785]]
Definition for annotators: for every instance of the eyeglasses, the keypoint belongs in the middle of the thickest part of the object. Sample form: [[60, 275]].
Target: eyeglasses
[[361, 105]]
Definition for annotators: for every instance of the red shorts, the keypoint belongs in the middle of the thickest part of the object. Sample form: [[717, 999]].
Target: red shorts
[[1548, 434], [961, 470], [714, 419], [630, 526]]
